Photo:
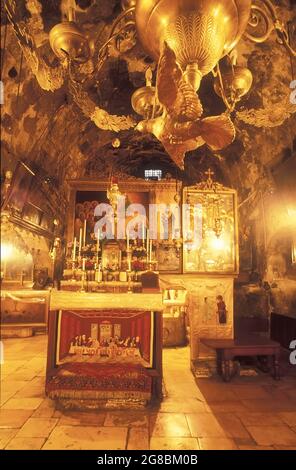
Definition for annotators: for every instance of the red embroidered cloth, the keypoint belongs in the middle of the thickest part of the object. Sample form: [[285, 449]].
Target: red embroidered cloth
[[132, 378]]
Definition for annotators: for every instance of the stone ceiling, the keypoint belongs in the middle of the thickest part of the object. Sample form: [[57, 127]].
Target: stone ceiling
[[49, 129]]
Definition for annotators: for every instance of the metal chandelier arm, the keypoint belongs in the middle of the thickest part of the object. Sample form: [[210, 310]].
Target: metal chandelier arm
[[115, 32], [272, 23]]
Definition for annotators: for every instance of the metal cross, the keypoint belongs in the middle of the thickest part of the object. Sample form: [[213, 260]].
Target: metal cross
[[209, 174]]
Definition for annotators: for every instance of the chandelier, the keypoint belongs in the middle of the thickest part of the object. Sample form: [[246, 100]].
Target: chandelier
[[187, 39]]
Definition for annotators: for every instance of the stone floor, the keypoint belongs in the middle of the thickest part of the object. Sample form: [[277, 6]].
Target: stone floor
[[248, 413]]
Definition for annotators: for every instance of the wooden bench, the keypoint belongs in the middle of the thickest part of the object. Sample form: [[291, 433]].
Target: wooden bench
[[253, 345]]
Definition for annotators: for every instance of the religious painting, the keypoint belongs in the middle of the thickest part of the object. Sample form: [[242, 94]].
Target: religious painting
[[20, 187], [168, 258], [32, 214], [111, 257], [105, 337], [211, 310], [210, 232]]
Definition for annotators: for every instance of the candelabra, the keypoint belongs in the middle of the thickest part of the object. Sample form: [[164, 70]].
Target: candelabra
[[83, 279]]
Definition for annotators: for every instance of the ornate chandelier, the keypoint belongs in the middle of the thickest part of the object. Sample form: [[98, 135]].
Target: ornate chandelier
[[188, 39]]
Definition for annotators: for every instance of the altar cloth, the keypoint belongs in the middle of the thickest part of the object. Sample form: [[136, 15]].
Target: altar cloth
[[60, 300]]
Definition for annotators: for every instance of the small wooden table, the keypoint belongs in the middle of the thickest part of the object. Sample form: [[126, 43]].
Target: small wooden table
[[253, 345]]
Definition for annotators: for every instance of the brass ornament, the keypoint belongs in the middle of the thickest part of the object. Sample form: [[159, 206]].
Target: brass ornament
[[200, 32], [233, 84], [264, 12], [127, 4], [144, 100], [69, 42], [180, 127], [49, 78], [116, 143]]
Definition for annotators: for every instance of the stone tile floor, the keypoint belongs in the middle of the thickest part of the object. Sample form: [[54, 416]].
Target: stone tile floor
[[248, 413]]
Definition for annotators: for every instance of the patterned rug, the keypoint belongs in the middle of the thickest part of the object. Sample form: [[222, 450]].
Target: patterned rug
[[90, 382]]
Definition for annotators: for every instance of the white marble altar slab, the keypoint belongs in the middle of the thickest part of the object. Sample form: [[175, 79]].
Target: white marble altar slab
[[82, 300]]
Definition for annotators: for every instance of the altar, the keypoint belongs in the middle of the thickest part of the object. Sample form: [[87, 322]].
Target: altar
[[104, 350]]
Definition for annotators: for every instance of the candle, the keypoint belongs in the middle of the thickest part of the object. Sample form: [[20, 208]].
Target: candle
[[74, 250], [150, 251], [98, 277], [143, 234], [84, 233], [147, 241], [80, 241], [127, 241], [129, 263], [83, 264]]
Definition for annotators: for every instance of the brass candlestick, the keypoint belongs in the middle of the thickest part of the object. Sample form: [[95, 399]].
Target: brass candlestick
[[129, 289], [83, 282], [73, 271]]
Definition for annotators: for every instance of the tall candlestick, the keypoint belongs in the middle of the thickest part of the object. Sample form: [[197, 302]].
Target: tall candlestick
[[119, 263], [80, 242], [98, 275], [129, 263], [74, 250], [143, 234], [147, 246], [84, 233]]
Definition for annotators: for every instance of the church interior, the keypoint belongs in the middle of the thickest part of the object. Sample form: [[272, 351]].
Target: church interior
[[148, 225]]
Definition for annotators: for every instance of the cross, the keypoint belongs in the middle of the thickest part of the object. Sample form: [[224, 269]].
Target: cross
[[209, 174]]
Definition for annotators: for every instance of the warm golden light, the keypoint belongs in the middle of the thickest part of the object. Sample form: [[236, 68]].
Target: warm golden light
[[294, 250], [292, 215], [218, 243], [6, 251]]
